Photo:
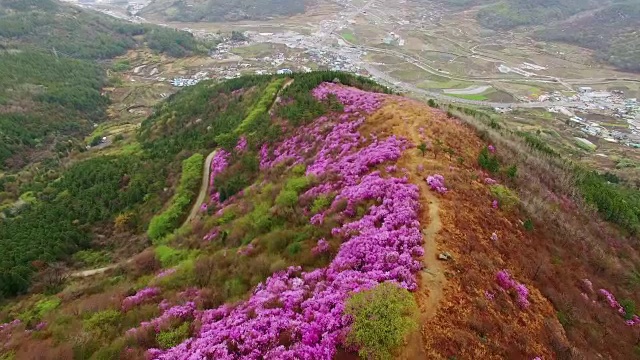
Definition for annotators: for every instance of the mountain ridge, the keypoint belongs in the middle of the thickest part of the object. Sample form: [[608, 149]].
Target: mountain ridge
[[336, 191]]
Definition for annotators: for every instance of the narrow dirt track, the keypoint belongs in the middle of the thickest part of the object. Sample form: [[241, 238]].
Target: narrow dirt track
[[202, 194], [194, 212], [405, 121], [91, 272], [432, 279]]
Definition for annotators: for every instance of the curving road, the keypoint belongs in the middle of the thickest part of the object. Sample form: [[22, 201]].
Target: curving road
[[203, 189], [195, 209], [194, 212], [450, 99]]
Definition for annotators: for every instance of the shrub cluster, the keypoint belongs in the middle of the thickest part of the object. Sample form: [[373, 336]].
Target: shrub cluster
[[164, 223], [382, 317]]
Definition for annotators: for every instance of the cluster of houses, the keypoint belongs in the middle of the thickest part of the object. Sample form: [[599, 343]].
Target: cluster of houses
[[190, 81], [611, 104], [182, 82]]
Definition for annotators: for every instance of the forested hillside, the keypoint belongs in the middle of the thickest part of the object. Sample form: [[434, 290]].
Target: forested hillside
[[77, 33], [509, 14], [45, 99], [61, 215], [223, 10], [50, 83]]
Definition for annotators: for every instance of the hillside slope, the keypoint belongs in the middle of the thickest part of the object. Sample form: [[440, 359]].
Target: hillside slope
[[611, 31], [222, 10], [330, 201], [607, 27], [51, 85]]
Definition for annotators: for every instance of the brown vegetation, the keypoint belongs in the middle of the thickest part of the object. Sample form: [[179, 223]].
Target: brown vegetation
[[567, 244]]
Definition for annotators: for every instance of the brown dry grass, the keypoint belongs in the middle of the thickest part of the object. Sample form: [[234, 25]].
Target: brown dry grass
[[568, 244], [465, 325]]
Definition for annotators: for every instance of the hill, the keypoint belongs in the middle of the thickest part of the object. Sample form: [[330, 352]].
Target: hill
[[611, 31], [513, 13], [221, 10], [607, 27], [82, 34], [329, 199], [51, 84]]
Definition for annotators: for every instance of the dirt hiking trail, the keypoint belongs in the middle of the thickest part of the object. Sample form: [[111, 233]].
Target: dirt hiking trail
[[401, 120]]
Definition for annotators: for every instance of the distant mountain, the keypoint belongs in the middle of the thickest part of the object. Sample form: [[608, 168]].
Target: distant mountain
[[508, 14], [612, 31], [83, 34], [609, 27], [222, 10]]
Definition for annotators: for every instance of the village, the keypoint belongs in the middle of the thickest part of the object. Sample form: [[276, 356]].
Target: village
[[598, 111]]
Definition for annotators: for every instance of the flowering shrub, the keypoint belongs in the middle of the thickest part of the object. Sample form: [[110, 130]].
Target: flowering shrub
[[317, 219], [170, 315], [140, 297], [321, 247], [308, 308], [633, 319], [219, 163], [242, 144], [354, 100], [247, 250], [504, 280], [491, 148], [436, 183], [522, 296], [5, 331], [211, 235], [587, 285], [490, 181], [489, 295]]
